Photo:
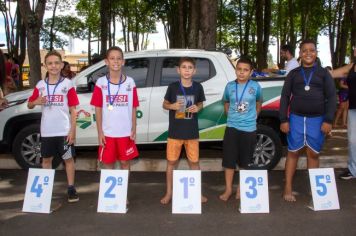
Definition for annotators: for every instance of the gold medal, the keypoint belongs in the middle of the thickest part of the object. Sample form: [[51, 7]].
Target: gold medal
[[110, 107]]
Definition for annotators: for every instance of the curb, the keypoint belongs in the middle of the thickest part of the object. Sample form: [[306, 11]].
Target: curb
[[159, 165]]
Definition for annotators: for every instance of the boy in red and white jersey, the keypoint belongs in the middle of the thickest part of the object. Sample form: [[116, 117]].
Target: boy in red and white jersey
[[115, 100], [58, 99]]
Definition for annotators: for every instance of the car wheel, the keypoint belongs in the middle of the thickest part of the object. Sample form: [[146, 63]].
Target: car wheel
[[27, 148], [268, 150]]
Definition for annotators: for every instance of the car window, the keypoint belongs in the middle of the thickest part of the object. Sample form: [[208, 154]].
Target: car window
[[136, 68], [205, 70]]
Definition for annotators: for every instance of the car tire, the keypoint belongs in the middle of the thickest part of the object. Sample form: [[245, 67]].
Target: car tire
[[268, 150], [27, 148]]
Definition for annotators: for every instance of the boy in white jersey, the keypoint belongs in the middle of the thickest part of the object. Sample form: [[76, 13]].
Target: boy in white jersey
[[58, 99], [115, 100]]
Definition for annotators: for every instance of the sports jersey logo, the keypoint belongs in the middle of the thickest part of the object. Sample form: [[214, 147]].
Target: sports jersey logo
[[104, 87], [64, 90], [55, 98], [128, 88], [252, 91], [117, 98]]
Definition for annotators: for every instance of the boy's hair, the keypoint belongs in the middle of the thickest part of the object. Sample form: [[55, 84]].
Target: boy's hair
[[307, 41], [186, 59], [114, 48], [245, 60], [53, 53], [288, 48]]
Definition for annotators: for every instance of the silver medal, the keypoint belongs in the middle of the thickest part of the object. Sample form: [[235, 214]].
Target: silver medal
[[307, 88]]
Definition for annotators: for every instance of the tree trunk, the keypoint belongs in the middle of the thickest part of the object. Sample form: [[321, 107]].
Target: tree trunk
[[193, 24], [240, 27], [353, 31], [181, 20], [114, 30], [247, 28], [33, 22], [338, 34], [89, 46], [331, 31], [292, 35], [259, 31], [266, 31], [52, 26], [207, 35], [345, 28], [104, 6]]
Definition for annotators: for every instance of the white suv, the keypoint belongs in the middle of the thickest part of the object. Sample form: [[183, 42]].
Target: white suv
[[152, 72]]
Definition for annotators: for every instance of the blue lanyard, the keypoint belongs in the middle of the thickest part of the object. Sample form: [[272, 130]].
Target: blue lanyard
[[183, 91], [243, 91], [55, 87], [307, 82], [112, 101]]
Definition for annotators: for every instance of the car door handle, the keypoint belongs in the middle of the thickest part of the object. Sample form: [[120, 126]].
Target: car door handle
[[142, 99], [212, 93]]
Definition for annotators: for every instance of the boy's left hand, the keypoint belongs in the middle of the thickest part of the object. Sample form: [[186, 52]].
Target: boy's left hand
[[133, 135], [326, 128], [70, 138], [193, 109]]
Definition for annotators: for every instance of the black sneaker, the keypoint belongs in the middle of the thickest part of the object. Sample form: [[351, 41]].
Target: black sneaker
[[72, 195], [346, 175]]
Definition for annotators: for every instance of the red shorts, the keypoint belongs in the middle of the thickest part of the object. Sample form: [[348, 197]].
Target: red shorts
[[117, 149]]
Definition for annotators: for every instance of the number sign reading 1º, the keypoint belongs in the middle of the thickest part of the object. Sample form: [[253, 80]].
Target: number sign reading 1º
[[113, 191], [39, 189], [186, 192]]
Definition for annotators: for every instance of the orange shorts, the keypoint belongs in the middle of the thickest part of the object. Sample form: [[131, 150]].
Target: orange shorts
[[174, 148], [117, 149]]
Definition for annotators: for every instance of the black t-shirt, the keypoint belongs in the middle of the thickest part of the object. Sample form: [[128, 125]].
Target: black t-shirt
[[320, 100], [184, 125], [351, 83]]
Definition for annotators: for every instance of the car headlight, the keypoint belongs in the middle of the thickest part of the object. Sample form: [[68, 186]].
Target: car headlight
[[12, 103]]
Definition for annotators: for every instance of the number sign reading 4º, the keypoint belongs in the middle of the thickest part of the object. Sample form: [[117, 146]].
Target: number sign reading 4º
[[39, 189]]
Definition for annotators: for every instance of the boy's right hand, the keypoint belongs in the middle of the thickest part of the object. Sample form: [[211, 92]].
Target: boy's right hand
[[40, 101], [102, 141], [177, 105], [284, 127]]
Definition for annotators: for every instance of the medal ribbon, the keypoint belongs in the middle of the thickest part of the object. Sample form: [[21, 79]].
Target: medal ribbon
[[238, 102], [54, 90], [307, 82], [183, 91], [117, 92]]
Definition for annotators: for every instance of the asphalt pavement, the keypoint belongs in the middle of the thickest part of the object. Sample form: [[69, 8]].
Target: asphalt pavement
[[146, 216]]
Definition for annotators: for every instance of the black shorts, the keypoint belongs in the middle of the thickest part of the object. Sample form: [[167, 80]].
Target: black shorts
[[56, 147], [238, 148]]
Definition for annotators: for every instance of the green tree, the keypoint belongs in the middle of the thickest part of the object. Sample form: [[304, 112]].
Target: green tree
[[53, 5], [89, 11], [66, 25], [32, 18]]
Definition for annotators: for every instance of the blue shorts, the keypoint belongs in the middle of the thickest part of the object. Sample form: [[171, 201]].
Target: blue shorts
[[305, 131]]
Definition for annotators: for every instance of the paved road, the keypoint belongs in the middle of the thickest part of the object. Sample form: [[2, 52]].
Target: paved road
[[147, 217]]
